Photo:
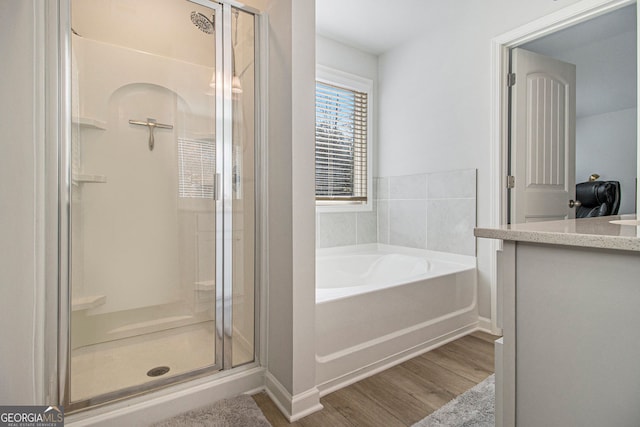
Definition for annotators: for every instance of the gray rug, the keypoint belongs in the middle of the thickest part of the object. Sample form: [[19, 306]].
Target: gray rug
[[473, 408], [240, 411]]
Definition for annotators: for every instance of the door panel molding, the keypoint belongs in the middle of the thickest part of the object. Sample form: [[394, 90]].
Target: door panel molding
[[543, 103]]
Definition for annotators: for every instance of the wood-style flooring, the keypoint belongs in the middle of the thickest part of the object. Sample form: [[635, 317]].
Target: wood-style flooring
[[404, 394]]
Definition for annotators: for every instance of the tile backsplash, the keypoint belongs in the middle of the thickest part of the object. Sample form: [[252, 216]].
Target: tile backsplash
[[346, 228], [435, 211]]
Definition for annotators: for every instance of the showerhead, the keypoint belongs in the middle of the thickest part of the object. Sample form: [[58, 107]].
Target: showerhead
[[203, 23]]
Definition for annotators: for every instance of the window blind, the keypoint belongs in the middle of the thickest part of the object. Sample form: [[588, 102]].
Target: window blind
[[196, 168], [341, 144]]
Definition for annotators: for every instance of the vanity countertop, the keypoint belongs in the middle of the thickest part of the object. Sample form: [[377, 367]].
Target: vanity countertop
[[610, 232]]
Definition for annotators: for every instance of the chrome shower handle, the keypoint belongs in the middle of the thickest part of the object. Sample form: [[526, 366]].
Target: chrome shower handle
[[151, 124]]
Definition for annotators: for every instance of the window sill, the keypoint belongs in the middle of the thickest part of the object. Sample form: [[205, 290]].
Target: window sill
[[343, 207]]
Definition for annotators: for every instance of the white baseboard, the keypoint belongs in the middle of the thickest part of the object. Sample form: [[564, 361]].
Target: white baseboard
[[292, 407], [485, 325], [163, 404], [372, 369]]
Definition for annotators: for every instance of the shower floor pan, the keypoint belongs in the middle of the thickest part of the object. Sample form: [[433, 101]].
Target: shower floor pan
[[106, 367]]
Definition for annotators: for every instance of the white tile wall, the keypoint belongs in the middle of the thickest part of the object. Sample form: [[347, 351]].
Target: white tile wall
[[336, 229], [410, 187], [408, 223], [383, 221], [382, 188], [459, 184], [367, 226], [450, 225], [434, 211]]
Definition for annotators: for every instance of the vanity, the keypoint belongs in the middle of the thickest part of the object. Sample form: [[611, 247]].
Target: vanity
[[569, 307]]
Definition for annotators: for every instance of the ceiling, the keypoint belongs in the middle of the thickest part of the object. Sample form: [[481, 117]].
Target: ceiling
[[603, 27], [373, 26]]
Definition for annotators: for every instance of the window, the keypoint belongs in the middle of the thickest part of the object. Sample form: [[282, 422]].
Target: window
[[342, 139], [196, 168]]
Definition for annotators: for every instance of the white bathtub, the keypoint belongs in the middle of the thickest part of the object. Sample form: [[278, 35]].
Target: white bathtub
[[377, 305]]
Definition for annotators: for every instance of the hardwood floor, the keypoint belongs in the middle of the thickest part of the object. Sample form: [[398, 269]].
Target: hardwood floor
[[404, 394]]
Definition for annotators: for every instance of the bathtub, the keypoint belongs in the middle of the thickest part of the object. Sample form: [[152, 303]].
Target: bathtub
[[378, 305]]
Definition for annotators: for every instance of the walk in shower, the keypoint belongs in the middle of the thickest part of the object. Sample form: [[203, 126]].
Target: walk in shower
[[161, 186]]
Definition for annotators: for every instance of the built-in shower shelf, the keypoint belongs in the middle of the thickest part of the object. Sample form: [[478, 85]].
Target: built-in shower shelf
[[86, 178], [89, 123], [87, 303], [207, 285]]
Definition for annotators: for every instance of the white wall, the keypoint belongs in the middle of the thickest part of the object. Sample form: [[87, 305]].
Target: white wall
[[333, 54], [291, 206], [21, 286], [607, 146], [605, 74], [434, 100], [606, 141]]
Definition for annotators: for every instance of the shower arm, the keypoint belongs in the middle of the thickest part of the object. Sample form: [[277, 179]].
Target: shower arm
[[151, 124]]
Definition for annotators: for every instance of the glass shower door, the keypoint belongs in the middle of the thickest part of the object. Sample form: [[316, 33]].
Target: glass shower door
[[148, 196]]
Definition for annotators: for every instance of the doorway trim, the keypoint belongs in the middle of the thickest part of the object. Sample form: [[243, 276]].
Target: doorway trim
[[571, 15]]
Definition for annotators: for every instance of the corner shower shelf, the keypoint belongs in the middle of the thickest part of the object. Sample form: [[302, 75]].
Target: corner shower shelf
[[87, 303], [89, 123], [83, 178]]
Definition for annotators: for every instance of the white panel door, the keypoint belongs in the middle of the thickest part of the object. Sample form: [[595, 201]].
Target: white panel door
[[543, 141]]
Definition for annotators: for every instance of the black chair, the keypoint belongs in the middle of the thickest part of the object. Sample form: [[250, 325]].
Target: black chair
[[597, 198]]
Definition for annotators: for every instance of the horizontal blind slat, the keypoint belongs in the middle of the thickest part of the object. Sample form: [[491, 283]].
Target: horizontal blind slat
[[341, 135], [196, 168]]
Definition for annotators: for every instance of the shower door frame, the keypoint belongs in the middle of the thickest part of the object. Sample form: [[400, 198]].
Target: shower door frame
[[58, 118]]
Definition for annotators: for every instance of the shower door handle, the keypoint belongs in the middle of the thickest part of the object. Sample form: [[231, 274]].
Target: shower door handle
[[218, 186]]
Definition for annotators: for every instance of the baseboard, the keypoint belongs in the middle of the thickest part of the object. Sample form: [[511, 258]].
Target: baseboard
[[485, 325], [292, 407], [372, 369], [163, 404]]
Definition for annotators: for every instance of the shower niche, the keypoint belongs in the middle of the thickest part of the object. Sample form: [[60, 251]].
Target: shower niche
[[162, 195]]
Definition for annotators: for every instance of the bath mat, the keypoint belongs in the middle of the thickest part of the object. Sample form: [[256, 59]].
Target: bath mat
[[473, 408], [240, 411]]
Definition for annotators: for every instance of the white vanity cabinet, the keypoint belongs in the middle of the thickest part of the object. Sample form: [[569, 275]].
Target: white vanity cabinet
[[569, 303]]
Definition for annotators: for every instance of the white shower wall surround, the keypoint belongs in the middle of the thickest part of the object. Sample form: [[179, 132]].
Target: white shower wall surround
[[139, 181], [435, 211]]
